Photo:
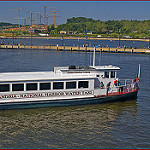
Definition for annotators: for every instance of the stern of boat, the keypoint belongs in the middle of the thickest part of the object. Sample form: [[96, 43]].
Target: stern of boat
[[124, 86]]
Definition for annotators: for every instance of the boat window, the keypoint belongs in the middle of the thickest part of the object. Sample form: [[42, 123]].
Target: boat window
[[70, 85], [83, 84], [4, 87], [31, 86], [58, 85], [112, 74], [18, 87], [106, 74], [45, 86]]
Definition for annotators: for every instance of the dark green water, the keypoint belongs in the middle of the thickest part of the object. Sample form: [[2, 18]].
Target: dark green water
[[110, 125]]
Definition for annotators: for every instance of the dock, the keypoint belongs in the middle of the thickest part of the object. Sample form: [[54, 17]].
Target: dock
[[77, 48]]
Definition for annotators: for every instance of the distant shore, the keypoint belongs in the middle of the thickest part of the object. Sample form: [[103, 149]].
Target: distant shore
[[71, 37]]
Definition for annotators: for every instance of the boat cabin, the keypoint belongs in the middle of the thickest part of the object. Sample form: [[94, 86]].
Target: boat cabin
[[70, 81]]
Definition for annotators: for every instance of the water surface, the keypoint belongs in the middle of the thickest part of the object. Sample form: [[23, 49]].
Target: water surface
[[109, 125]]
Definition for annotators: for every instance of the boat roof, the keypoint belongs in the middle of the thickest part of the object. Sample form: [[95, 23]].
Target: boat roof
[[109, 67], [59, 73], [39, 76], [87, 68]]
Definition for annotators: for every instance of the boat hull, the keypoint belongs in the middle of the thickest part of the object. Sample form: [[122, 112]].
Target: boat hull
[[70, 102]]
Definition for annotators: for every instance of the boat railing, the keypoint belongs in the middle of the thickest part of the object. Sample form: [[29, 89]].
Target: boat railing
[[127, 85], [126, 82]]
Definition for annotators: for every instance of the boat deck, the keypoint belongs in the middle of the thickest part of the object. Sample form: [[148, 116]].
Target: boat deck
[[121, 92]]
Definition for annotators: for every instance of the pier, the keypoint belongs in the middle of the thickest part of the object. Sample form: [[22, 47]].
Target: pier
[[77, 48]]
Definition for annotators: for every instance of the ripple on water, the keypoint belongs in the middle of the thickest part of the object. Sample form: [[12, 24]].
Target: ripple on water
[[93, 126]]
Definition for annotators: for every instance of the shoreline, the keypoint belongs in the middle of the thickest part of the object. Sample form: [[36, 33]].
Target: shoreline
[[69, 38]]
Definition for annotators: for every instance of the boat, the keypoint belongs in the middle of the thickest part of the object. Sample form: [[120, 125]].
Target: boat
[[65, 86]]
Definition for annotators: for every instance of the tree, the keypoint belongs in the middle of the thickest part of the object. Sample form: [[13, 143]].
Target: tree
[[48, 29], [52, 27]]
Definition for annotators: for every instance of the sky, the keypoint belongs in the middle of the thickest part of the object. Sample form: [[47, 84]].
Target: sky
[[98, 10]]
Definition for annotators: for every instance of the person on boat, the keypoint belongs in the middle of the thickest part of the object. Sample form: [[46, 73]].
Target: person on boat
[[118, 82], [108, 87], [120, 90], [101, 85], [137, 79]]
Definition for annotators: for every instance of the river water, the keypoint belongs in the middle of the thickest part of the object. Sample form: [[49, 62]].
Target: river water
[[109, 125], [77, 42]]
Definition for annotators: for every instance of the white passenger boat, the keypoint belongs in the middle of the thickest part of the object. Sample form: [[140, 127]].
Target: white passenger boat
[[65, 86]]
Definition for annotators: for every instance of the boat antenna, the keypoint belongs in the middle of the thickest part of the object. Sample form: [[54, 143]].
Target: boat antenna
[[139, 71], [99, 58], [90, 58], [94, 56]]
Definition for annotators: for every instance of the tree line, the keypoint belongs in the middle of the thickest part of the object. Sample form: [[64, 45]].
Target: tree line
[[5, 24], [112, 28]]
